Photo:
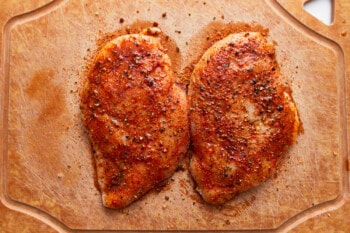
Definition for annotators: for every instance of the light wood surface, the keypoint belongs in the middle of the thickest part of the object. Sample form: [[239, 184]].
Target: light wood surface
[[46, 175], [333, 220]]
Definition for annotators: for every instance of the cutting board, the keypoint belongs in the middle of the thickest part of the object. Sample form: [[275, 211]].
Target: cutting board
[[47, 174]]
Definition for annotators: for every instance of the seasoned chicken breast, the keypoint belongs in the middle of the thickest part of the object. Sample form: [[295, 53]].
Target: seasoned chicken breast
[[136, 116], [242, 117]]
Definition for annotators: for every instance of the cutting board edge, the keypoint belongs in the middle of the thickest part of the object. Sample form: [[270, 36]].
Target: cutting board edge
[[338, 203]]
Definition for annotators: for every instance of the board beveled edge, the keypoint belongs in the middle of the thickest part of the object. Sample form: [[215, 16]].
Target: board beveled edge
[[4, 98], [289, 224], [342, 116]]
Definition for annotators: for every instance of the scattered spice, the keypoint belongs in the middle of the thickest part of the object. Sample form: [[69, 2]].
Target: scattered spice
[[164, 15], [121, 20]]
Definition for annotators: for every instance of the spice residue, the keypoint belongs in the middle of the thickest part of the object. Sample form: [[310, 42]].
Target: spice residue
[[210, 34], [167, 42]]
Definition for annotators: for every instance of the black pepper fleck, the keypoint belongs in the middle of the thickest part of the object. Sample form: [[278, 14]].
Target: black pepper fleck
[[279, 108]]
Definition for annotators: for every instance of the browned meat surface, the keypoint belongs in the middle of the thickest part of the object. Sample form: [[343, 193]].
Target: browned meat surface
[[136, 117], [243, 118]]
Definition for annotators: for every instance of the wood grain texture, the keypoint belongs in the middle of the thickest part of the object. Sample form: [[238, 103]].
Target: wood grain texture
[[338, 31], [48, 175], [12, 220]]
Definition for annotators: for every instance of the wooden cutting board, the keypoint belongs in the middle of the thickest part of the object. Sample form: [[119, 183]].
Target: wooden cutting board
[[47, 175]]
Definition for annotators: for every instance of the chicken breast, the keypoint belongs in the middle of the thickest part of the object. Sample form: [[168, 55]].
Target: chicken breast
[[136, 116], [243, 118]]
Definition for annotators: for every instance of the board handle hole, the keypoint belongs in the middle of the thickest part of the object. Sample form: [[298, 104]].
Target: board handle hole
[[321, 9]]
